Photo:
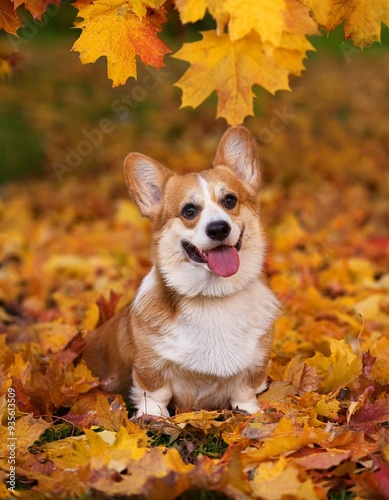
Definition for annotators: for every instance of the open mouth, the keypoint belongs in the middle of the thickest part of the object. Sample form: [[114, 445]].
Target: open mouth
[[222, 260]]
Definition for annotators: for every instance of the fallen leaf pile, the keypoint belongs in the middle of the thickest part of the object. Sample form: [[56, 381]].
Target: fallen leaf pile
[[323, 428]]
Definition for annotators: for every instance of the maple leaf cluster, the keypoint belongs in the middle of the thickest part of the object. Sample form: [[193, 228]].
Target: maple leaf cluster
[[254, 43]]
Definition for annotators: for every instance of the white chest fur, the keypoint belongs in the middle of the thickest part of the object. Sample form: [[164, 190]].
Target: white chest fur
[[219, 336]]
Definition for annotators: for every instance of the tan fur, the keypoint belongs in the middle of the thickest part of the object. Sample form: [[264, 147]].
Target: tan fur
[[193, 338]]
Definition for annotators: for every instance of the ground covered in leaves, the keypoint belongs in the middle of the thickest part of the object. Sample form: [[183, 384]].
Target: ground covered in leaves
[[323, 429]]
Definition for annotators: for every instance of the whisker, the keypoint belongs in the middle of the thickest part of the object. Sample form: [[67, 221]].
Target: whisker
[[259, 248]]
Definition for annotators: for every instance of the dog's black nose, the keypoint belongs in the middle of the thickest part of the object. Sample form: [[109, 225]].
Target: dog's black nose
[[218, 230]]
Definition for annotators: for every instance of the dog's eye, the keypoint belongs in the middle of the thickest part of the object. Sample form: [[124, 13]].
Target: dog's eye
[[189, 211], [230, 201]]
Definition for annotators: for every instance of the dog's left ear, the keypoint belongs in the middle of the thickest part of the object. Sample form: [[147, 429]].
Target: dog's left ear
[[238, 151]]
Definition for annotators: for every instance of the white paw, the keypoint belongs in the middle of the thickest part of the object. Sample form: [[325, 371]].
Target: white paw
[[249, 406], [153, 409]]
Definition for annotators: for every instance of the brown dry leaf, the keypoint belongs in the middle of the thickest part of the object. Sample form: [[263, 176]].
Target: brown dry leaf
[[98, 409], [373, 485]]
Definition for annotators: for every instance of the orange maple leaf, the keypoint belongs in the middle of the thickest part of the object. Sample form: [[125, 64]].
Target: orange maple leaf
[[9, 20], [35, 7], [113, 30]]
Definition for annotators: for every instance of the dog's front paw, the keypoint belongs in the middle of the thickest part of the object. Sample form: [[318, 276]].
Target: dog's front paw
[[153, 410], [251, 406]]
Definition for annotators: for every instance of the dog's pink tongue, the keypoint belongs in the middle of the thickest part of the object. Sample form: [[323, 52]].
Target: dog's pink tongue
[[223, 260]]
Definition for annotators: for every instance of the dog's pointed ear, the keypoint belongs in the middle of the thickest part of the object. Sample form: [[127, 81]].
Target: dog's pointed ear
[[146, 181], [238, 151]]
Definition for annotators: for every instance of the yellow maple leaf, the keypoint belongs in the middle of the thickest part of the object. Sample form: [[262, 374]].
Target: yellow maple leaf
[[291, 52], [338, 369], [140, 7], [68, 453], [196, 416], [114, 30], [266, 18], [270, 20], [232, 68], [26, 430], [115, 455], [380, 349], [321, 404], [281, 480], [298, 18], [320, 10], [286, 438], [362, 18], [191, 10]]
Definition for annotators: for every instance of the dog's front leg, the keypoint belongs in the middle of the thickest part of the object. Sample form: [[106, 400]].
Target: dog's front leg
[[245, 397], [150, 402]]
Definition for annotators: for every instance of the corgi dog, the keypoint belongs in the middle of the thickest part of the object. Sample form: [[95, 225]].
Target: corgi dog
[[199, 332]]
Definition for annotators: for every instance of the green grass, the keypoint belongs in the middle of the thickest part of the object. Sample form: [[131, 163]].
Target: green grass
[[21, 147], [213, 446], [203, 495], [56, 432], [210, 445], [340, 495]]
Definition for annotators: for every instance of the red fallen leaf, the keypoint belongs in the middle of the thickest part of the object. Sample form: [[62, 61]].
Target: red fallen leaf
[[323, 459], [363, 385], [370, 414], [367, 361], [22, 398], [71, 351], [379, 245], [107, 307], [373, 485]]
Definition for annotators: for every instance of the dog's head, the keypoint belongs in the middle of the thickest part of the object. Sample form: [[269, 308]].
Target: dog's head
[[207, 233]]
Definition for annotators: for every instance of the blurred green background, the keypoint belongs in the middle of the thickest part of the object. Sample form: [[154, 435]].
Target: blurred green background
[[53, 103]]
